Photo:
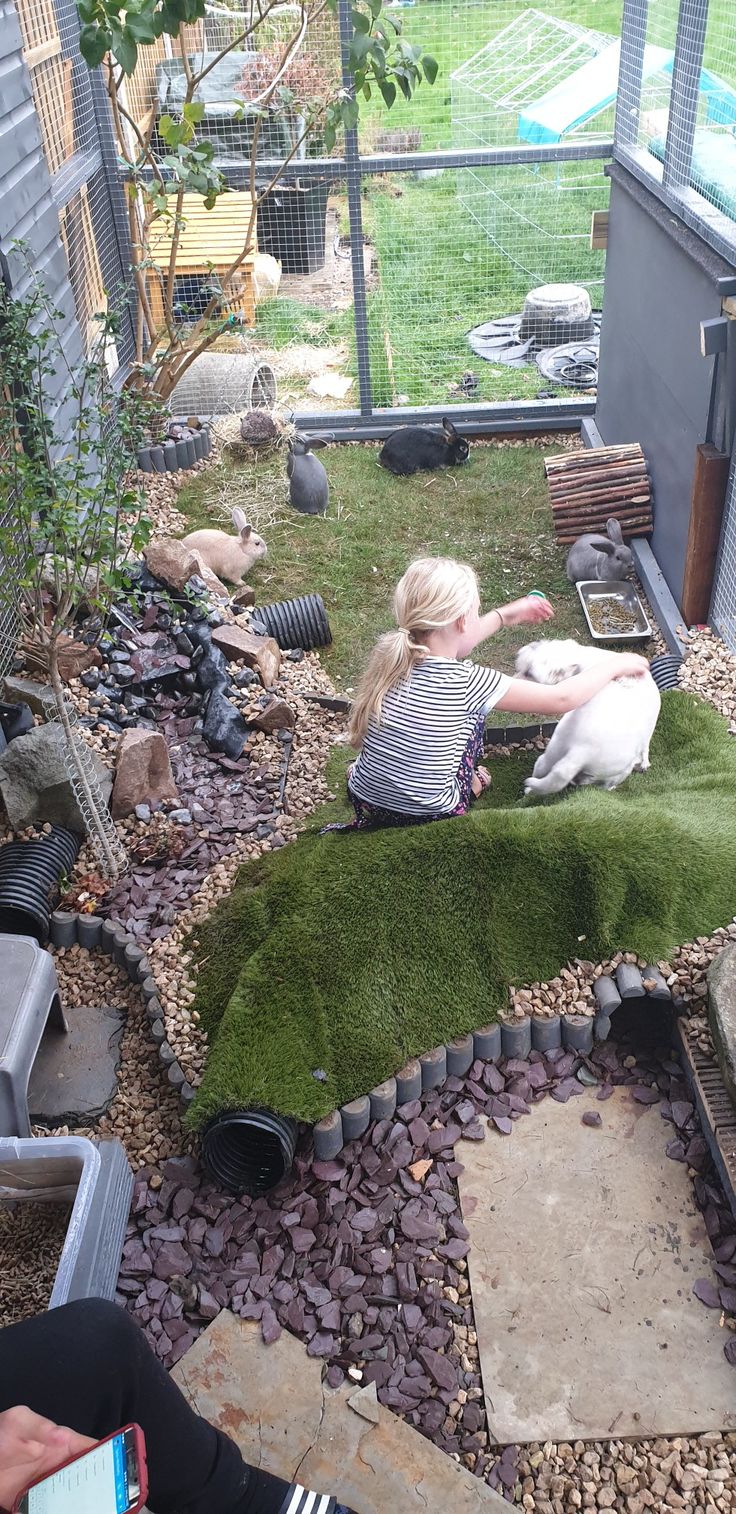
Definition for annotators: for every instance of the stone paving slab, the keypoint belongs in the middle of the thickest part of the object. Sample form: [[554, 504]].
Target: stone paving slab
[[75, 1077], [272, 1401], [585, 1244]]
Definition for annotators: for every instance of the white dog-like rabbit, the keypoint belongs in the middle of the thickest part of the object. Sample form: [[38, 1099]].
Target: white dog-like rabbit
[[604, 740]]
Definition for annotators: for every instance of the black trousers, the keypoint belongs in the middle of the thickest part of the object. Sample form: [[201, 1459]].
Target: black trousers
[[88, 1366]]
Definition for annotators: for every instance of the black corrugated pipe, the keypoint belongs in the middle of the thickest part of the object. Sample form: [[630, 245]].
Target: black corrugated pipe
[[30, 872], [249, 1150], [293, 623]]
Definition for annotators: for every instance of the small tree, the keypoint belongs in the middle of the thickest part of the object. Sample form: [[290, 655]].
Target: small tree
[[72, 518], [379, 59]]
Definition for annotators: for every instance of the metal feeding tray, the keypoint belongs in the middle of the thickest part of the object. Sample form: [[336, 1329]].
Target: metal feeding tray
[[610, 607]]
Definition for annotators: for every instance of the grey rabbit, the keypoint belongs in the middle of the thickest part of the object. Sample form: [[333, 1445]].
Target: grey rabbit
[[309, 488], [595, 556]]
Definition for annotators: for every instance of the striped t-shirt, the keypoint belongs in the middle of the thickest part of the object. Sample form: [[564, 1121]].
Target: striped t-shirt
[[410, 761]]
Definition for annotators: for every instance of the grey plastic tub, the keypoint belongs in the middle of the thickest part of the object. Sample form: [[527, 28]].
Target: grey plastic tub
[[97, 1181]]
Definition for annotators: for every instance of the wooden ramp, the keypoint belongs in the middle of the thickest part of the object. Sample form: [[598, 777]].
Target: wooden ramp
[[588, 488]]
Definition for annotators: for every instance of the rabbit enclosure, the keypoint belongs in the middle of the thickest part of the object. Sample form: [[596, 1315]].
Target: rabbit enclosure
[[492, 511]]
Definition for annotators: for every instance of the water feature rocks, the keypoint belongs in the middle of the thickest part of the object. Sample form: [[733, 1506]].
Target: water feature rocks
[[34, 783], [224, 727], [75, 658], [143, 774], [722, 1013], [259, 652]]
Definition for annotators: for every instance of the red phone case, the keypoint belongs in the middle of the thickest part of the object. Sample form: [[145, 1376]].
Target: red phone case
[[140, 1451]]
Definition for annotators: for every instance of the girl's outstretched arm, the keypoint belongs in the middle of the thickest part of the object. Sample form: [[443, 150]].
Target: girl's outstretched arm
[[527, 611], [524, 697]]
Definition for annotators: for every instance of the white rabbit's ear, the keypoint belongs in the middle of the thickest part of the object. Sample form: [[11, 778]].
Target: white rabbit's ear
[[614, 532], [240, 523]]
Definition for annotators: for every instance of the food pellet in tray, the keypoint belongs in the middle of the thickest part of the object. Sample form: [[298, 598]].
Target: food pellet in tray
[[31, 1240], [609, 617]]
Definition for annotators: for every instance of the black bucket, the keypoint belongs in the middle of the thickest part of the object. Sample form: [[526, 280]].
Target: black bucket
[[249, 1150], [664, 670], [29, 878], [298, 622]]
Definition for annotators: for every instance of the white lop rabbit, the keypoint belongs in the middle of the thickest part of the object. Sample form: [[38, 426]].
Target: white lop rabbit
[[230, 557], [599, 557], [604, 740]]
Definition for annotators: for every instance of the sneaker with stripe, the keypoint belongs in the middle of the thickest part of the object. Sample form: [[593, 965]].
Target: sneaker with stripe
[[301, 1501]]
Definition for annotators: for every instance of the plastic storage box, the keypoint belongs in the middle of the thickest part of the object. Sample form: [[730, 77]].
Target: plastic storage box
[[96, 1179]]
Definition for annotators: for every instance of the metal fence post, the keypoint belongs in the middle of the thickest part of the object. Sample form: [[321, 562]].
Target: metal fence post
[[689, 45], [355, 212], [631, 69]]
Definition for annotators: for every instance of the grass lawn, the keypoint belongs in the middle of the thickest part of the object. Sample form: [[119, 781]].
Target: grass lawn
[[351, 952], [493, 512]]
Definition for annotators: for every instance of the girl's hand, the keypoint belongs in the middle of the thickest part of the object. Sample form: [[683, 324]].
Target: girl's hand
[[30, 1448], [629, 665], [527, 611]]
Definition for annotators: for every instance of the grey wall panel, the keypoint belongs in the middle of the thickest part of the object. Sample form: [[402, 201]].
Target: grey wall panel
[[654, 386]]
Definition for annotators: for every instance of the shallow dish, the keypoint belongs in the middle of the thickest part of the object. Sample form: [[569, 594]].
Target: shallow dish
[[618, 599]]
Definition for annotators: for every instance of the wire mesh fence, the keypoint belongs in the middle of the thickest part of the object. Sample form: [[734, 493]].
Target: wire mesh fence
[[679, 76], [723, 607]]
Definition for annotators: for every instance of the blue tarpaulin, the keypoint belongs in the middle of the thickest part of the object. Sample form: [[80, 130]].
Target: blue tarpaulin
[[583, 95]]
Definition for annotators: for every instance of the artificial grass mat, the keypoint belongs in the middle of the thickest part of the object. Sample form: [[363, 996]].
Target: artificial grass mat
[[345, 954]]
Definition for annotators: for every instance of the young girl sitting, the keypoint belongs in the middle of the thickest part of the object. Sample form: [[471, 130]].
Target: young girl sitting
[[419, 715]]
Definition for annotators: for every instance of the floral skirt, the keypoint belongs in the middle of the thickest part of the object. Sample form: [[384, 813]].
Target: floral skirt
[[373, 816]]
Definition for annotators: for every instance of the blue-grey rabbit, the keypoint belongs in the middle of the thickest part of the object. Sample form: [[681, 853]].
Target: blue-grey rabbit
[[309, 488], [604, 558], [418, 449]]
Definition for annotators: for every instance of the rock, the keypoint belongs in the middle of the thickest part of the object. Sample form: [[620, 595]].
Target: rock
[[224, 728], [245, 596], [212, 670], [276, 715], [34, 783], [76, 658], [260, 652], [365, 1403], [180, 817], [722, 1013], [143, 813], [143, 774], [25, 691], [209, 579], [174, 564], [171, 562]]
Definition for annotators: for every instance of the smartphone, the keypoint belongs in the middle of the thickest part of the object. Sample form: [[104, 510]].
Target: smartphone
[[109, 1478]]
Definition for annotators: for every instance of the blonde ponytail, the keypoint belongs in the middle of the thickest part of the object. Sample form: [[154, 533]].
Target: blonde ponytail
[[433, 592]]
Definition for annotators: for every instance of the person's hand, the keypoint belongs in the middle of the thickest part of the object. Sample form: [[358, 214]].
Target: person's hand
[[527, 611], [30, 1448], [629, 665]]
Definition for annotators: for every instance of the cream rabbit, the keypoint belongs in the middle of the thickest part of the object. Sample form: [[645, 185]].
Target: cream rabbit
[[230, 557]]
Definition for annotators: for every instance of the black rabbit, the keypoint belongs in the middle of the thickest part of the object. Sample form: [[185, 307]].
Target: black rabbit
[[415, 449]]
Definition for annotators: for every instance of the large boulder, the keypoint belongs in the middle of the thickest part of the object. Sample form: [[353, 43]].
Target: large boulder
[[35, 785], [260, 652], [143, 773], [722, 1013], [26, 691], [174, 563]]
